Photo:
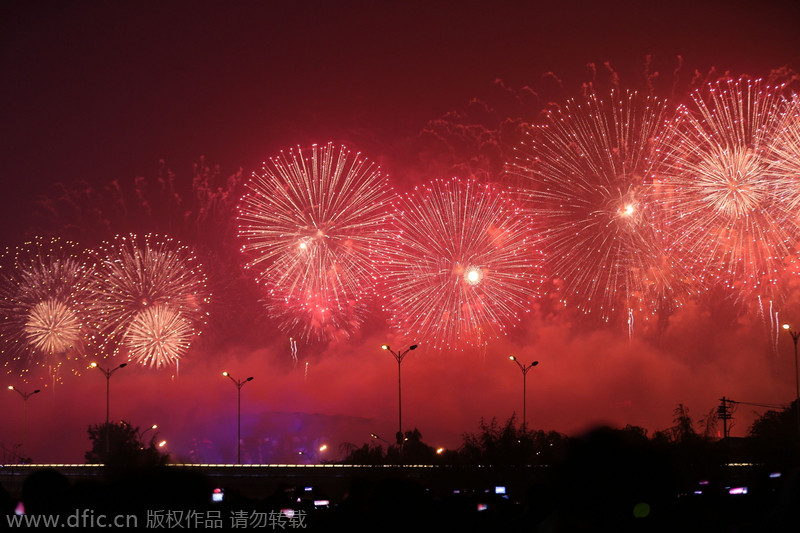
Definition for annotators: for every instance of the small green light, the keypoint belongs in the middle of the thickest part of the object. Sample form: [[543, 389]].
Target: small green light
[[641, 510]]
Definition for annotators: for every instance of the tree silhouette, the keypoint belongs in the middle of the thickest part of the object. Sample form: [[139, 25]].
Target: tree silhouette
[[509, 444], [125, 448], [774, 436]]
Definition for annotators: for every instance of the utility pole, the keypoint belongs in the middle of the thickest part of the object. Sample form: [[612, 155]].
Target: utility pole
[[724, 414]]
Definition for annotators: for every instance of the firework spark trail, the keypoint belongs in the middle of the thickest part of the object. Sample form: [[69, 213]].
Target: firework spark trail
[[293, 350], [729, 210], [785, 149], [141, 289], [158, 336], [42, 289], [465, 268], [312, 226], [587, 170]]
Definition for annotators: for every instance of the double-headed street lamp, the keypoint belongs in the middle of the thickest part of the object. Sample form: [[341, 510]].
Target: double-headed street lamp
[[795, 335], [108, 374], [25, 396], [524, 369], [399, 357], [239, 384]]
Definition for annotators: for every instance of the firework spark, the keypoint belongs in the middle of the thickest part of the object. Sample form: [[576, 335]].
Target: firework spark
[[158, 336], [149, 297], [42, 289], [465, 268], [312, 227], [586, 171], [731, 212], [785, 149]]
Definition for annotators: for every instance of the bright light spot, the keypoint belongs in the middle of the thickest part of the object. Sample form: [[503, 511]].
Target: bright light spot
[[786, 326], [93, 365], [162, 444], [775, 475], [737, 490], [11, 387], [473, 276], [440, 451], [323, 447]]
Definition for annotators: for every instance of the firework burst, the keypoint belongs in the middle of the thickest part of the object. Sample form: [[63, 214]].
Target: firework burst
[[586, 173], [465, 268], [785, 149], [730, 211], [158, 336], [312, 226], [149, 298], [42, 291]]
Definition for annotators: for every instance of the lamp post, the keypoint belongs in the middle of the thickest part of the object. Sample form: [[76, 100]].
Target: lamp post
[[376, 437], [25, 396], [399, 357], [239, 384], [525, 369], [795, 335], [312, 454], [143, 433], [108, 374]]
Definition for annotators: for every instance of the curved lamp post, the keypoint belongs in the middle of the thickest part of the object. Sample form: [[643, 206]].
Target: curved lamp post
[[525, 369], [25, 396], [795, 335], [399, 357], [108, 374], [239, 384]]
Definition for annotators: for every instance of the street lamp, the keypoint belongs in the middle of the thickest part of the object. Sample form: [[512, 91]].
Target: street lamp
[[25, 396], [399, 357], [376, 437], [312, 454], [143, 433], [524, 369], [239, 384], [795, 335], [108, 374]]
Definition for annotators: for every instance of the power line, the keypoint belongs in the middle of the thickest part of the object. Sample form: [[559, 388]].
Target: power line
[[767, 405]]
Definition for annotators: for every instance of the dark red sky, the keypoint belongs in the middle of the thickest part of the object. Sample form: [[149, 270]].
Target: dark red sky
[[101, 91]]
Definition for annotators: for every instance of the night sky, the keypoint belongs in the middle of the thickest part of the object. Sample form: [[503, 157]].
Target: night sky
[[97, 92]]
